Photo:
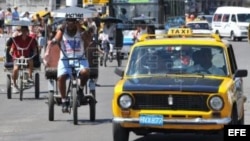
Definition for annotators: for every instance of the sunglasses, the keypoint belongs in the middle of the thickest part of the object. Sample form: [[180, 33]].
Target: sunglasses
[[71, 20]]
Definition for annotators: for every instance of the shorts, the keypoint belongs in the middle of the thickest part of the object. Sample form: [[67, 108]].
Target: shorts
[[41, 42], [63, 67]]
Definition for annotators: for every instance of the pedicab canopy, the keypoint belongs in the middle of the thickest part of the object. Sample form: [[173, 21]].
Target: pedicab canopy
[[74, 12], [20, 23]]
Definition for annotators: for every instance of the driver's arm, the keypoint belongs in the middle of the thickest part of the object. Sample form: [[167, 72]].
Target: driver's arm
[[12, 49], [35, 47], [59, 34]]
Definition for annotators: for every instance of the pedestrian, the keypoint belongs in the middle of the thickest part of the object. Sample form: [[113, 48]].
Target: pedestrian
[[8, 20], [15, 14], [23, 41], [2, 16]]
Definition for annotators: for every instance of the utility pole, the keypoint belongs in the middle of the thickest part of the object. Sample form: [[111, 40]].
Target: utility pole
[[52, 5], [71, 2]]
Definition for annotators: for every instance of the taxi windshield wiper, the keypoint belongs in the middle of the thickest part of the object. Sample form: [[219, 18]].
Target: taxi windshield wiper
[[190, 74]]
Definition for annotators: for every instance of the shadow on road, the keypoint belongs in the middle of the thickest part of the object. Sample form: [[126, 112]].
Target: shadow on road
[[88, 122], [178, 137]]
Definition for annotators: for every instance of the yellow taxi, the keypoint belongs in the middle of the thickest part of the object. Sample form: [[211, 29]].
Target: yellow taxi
[[178, 82]]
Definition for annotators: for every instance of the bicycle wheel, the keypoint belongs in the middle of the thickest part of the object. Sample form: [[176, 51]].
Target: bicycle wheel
[[51, 105], [92, 100], [21, 85], [75, 105], [92, 106], [37, 86], [8, 86]]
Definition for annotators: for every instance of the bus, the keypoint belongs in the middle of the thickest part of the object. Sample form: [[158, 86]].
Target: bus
[[161, 13]]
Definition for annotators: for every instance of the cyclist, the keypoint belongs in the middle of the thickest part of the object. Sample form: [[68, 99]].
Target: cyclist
[[23, 41], [71, 39]]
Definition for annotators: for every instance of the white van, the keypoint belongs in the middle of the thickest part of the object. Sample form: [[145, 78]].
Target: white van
[[231, 21]]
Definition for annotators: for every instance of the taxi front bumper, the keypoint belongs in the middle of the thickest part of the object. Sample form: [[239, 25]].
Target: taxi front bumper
[[178, 121]]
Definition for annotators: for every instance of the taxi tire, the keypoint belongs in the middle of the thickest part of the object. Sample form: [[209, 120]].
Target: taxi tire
[[234, 116], [221, 135], [8, 86], [120, 133]]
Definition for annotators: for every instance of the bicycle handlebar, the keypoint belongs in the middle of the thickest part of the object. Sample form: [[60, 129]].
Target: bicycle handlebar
[[23, 61]]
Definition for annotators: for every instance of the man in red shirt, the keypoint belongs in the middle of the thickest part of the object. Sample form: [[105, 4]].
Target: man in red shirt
[[29, 45]]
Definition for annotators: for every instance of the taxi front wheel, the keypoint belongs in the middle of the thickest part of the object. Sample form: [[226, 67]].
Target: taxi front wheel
[[120, 133]]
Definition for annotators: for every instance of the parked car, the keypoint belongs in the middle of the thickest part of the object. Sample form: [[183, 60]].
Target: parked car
[[208, 18], [232, 22], [199, 27]]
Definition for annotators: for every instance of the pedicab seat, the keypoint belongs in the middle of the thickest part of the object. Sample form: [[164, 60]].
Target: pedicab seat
[[51, 72], [50, 59]]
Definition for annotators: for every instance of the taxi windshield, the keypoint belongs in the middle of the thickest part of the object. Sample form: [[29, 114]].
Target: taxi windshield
[[196, 26], [177, 59]]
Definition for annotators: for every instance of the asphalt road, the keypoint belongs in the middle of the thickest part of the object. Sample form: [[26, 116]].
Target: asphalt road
[[27, 120]]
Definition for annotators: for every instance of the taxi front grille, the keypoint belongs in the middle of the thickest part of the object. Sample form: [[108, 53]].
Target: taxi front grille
[[179, 102]]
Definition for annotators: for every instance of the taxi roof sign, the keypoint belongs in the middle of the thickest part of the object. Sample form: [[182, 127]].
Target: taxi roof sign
[[180, 32]]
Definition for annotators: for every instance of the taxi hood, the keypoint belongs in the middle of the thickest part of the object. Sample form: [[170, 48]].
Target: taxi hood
[[188, 84]]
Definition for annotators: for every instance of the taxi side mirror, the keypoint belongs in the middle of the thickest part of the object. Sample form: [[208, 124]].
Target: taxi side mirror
[[241, 73], [119, 72]]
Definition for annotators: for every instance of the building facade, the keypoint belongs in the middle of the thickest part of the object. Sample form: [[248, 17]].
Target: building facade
[[209, 6]]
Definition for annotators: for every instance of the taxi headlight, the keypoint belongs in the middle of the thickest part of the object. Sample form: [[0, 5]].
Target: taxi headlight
[[216, 103], [125, 101]]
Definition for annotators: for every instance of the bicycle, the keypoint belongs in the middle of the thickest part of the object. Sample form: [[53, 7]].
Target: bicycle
[[22, 63], [72, 92]]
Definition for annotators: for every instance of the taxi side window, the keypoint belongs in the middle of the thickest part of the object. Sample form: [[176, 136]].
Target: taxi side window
[[218, 60]]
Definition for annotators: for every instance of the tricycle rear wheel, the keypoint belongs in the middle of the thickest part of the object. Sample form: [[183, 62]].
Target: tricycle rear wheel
[[92, 106], [21, 87], [37, 86], [51, 106], [8, 86], [75, 106]]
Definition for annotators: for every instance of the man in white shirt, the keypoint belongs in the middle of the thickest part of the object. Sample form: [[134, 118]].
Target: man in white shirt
[[109, 30], [15, 14]]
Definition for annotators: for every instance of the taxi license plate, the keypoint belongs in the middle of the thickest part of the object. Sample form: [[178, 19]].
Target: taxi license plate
[[155, 120]]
